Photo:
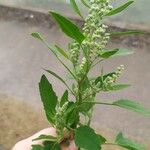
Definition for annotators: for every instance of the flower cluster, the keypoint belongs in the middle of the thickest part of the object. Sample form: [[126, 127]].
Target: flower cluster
[[82, 66], [74, 48], [112, 78], [94, 31], [59, 121]]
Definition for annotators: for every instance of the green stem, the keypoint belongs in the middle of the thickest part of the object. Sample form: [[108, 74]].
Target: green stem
[[91, 95], [102, 103], [113, 144], [97, 63], [59, 59]]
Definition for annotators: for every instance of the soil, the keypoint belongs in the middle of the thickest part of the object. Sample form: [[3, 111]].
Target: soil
[[16, 119]]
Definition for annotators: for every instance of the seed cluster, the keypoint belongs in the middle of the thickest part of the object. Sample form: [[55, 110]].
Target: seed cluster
[[110, 80], [74, 48], [94, 30], [59, 118]]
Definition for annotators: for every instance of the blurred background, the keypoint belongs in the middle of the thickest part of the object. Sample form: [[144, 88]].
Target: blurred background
[[22, 57]]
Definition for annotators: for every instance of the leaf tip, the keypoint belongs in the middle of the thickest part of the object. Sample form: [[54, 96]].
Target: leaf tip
[[37, 36]]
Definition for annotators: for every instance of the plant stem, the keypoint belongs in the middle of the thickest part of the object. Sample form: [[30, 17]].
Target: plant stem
[[97, 63], [113, 144], [102, 103], [59, 59]]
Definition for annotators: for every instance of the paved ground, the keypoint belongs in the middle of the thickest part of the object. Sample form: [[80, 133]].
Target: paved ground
[[21, 60]]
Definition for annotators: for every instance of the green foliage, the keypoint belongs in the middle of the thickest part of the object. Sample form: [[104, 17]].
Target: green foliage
[[85, 3], [61, 51], [119, 87], [123, 52], [45, 138], [37, 36], [68, 27], [127, 143], [126, 33], [115, 53], [119, 9], [37, 147], [64, 98], [108, 53], [131, 105], [86, 49], [75, 7], [48, 97], [86, 138], [47, 146]]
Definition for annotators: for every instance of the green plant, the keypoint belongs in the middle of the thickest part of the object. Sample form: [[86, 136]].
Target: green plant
[[85, 51]]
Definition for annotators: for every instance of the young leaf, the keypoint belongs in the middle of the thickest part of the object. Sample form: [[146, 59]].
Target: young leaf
[[85, 3], [123, 52], [45, 138], [115, 53], [127, 143], [37, 36], [75, 7], [108, 53], [133, 106], [86, 138], [119, 87], [61, 51], [68, 27], [48, 97], [64, 98], [119, 9], [126, 33]]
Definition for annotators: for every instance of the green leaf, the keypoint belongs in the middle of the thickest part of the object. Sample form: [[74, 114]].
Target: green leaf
[[71, 107], [37, 36], [37, 147], [57, 76], [119, 9], [64, 98], [61, 51], [101, 139], [123, 52], [75, 7], [119, 87], [86, 138], [72, 119], [47, 145], [68, 27], [115, 53], [133, 106], [127, 33], [103, 77], [40, 37], [127, 143], [45, 138], [85, 3], [48, 97], [108, 53]]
